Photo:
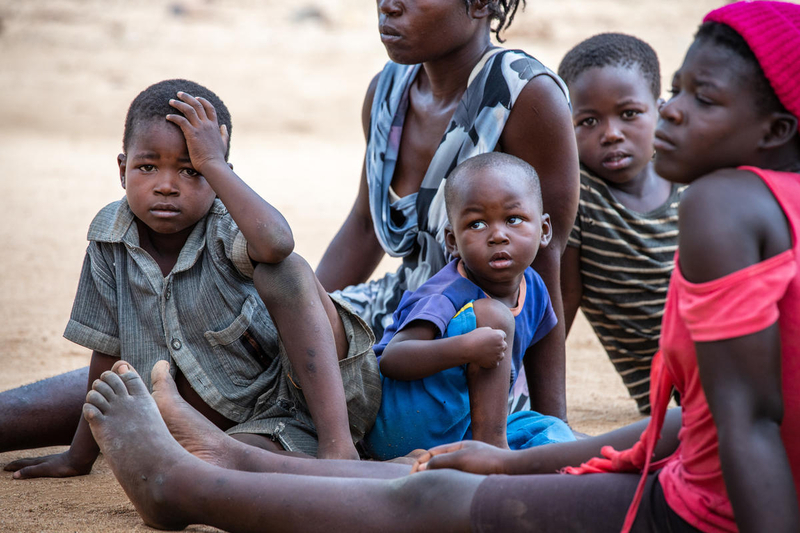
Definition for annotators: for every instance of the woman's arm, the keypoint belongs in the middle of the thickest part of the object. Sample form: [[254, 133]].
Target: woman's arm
[[354, 252], [539, 130], [571, 285]]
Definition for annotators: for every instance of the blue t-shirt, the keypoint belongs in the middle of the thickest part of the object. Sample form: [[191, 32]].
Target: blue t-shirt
[[443, 295]]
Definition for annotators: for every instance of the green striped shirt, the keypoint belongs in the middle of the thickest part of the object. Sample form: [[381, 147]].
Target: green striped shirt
[[626, 259]]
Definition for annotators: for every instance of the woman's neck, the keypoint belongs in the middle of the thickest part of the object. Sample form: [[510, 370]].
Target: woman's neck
[[446, 78]]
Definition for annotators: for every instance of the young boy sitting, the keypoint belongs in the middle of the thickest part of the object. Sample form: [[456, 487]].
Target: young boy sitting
[[192, 266], [458, 342], [619, 257]]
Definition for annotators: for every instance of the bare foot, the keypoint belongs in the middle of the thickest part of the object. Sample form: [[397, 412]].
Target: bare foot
[[127, 426], [197, 434]]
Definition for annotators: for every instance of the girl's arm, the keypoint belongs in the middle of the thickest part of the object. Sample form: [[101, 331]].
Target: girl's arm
[[82, 453], [269, 238], [414, 353], [480, 458], [354, 252], [741, 377]]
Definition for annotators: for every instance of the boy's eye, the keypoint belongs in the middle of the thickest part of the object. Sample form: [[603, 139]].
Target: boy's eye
[[588, 122], [478, 224], [514, 221], [147, 168], [190, 172], [629, 114]]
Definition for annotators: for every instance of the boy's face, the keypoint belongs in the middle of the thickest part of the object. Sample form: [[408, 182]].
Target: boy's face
[[163, 189], [711, 121], [615, 115], [496, 226]]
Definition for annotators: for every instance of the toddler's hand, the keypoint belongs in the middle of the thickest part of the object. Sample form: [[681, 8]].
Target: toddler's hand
[[487, 346], [206, 140]]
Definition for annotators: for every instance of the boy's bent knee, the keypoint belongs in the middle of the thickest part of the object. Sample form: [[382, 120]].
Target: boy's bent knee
[[283, 280], [494, 314]]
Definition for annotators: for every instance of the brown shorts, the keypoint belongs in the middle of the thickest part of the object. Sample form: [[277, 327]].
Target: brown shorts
[[282, 412]]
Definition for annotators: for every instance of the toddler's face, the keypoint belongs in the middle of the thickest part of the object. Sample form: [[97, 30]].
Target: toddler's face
[[497, 227], [711, 121], [163, 189], [614, 113]]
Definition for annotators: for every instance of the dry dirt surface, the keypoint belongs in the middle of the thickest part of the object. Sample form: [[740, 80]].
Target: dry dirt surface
[[293, 75]]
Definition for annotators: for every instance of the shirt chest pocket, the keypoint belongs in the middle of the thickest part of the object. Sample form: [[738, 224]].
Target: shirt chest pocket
[[246, 347]]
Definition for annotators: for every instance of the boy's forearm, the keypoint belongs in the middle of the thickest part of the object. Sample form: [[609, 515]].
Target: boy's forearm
[[411, 359], [269, 237]]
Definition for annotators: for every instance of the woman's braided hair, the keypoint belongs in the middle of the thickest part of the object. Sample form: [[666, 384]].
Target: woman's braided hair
[[503, 12]]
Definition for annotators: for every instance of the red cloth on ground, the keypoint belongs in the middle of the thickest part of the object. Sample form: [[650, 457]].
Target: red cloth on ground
[[738, 304]]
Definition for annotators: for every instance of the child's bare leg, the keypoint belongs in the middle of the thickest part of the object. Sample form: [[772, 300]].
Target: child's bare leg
[[171, 488], [45, 413], [314, 338], [488, 387], [205, 440]]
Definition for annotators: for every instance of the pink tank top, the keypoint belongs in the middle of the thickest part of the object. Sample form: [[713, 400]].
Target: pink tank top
[[740, 303]]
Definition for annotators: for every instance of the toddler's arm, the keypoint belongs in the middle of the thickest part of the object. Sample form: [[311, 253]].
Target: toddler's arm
[[414, 353], [82, 453], [269, 238]]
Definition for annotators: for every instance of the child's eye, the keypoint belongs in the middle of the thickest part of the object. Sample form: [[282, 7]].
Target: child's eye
[[514, 221], [190, 172], [703, 100], [629, 114], [588, 122], [478, 224], [147, 168]]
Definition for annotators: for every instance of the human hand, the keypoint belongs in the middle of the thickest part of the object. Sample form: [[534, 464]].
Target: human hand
[[468, 456], [487, 346], [57, 465], [206, 140]]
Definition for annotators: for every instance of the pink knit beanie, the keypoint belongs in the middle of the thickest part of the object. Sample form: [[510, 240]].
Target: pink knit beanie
[[772, 31]]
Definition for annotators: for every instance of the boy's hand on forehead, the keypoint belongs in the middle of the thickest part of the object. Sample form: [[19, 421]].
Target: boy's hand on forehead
[[206, 140]]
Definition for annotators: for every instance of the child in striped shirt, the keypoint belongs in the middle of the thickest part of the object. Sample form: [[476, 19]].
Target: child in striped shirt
[[619, 256]]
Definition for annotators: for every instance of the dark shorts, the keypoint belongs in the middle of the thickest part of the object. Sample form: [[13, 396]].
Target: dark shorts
[[563, 503], [282, 412]]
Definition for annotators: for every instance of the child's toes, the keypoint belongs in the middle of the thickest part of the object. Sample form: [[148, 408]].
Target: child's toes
[[103, 388], [114, 381], [90, 411]]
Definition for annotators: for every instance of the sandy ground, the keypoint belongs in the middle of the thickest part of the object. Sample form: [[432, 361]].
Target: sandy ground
[[293, 75]]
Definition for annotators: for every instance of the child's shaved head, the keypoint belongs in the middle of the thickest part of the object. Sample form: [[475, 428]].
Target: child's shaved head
[[472, 168], [153, 102]]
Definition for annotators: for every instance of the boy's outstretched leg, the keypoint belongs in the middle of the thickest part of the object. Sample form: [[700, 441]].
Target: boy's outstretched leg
[[206, 441], [45, 413], [171, 488], [488, 387], [314, 339]]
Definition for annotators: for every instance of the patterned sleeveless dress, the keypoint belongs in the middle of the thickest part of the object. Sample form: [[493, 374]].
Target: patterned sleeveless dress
[[412, 227]]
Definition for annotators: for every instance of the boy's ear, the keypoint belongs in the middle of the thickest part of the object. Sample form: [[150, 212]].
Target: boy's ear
[[480, 8], [121, 159], [547, 231], [450, 241], [781, 130]]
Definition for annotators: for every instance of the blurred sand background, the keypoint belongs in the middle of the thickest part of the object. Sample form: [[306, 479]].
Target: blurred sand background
[[293, 75]]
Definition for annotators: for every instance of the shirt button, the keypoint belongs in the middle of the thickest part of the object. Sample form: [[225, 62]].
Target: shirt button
[[176, 344], [169, 292]]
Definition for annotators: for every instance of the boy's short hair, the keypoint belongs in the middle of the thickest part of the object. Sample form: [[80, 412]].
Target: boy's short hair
[[468, 168], [154, 102], [503, 12], [723, 35], [612, 50]]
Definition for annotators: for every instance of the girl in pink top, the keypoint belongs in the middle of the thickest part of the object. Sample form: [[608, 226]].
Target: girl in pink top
[[730, 344]]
